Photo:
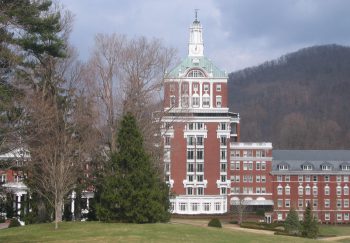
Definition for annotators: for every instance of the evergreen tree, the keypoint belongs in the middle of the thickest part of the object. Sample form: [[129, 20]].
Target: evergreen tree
[[133, 191], [292, 224], [310, 225]]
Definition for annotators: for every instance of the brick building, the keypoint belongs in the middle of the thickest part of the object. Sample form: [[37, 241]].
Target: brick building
[[318, 177]]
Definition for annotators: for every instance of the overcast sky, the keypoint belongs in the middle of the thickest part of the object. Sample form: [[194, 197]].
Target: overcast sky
[[237, 33]]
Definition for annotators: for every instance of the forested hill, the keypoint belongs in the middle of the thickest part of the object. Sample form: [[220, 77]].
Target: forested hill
[[299, 101]]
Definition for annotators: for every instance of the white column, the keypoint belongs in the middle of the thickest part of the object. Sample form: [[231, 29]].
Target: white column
[[72, 203], [19, 203], [87, 203], [211, 94]]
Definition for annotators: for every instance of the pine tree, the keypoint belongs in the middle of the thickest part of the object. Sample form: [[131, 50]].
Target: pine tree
[[292, 224], [310, 225], [133, 192]]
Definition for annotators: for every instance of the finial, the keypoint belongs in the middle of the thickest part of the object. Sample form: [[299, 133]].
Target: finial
[[196, 14]]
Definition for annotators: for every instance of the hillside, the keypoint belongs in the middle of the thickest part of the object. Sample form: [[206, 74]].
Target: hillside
[[299, 101]]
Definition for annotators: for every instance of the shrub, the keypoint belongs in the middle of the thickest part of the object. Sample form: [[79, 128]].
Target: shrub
[[14, 223], [215, 223], [2, 219]]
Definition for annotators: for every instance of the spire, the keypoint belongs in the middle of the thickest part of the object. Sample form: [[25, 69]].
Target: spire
[[195, 46]]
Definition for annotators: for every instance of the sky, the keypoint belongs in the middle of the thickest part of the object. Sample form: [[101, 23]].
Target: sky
[[237, 33]]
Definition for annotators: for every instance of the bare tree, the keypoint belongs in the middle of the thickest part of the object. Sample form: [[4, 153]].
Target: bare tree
[[239, 207]]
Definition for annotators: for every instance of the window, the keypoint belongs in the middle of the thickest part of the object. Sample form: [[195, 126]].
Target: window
[[327, 216], [223, 191], [300, 203], [184, 101], [3, 178], [190, 154], [200, 167], [263, 189], [250, 165], [346, 216], [307, 167], [307, 178], [200, 178], [206, 101], [279, 216], [326, 190], [315, 190], [238, 178], [194, 206], [279, 178], [190, 178], [287, 203], [190, 167], [257, 178], [206, 87], [183, 206], [238, 165], [279, 190], [200, 190], [222, 167], [263, 178], [195, 87], [338, 178], [314, 178], [195, 101], [223, 126], [339, 217], [206, 206], [218, 101], [307, 190], [195, 73], [172, 100], [346, 178], [326, 178], [287, 178], [327, 203], [338, 190], [218, 87], [283, 167], [346, 190], [263, 165], [245, 165], [326, 167], [167, 140], [287, 190], [217, 206], [223, 154], [200, 154], [339, 201], [279, 203], [223, 140], [346, 203], [300, 190], [315, 203], [345, 167], [300, 178], [257, 165], [223, 178], [257, 190], [167, 167], [200, 140]]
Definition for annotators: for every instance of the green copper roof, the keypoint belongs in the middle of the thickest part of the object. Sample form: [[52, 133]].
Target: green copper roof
[[197, 62]]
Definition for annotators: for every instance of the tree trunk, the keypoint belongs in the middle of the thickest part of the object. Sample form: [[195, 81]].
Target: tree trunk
[[58, 212]]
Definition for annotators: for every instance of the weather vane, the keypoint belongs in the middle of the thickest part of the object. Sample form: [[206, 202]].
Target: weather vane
[[196, 14]]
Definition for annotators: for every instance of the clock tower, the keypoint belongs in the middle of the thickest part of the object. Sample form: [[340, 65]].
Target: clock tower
[[195, 46]]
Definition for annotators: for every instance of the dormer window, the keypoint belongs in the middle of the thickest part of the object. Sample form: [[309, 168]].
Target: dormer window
[[326, 167], [345, 167], [283, 167], [307, 167]]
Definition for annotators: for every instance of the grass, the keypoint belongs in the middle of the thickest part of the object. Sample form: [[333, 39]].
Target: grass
[[112, 232], [338, 230]]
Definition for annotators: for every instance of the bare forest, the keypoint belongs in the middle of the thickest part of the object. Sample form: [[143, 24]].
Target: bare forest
[[299, 101]]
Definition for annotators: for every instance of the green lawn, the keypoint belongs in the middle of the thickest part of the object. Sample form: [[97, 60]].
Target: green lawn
[[335, 230], [108, 232]]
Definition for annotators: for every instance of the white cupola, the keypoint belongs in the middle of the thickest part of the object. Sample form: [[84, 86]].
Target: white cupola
[[195, 46]]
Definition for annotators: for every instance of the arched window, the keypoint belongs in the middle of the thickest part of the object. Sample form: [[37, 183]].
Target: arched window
[[300, 190], [287, 190], [195, 73]]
